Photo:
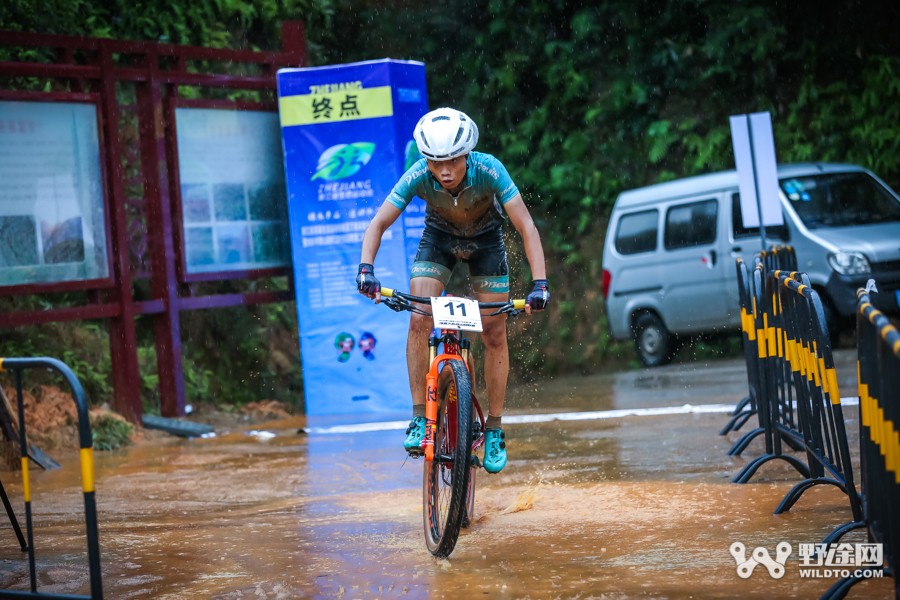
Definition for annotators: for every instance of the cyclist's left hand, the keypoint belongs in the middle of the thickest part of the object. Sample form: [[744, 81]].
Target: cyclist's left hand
[[539, 297]]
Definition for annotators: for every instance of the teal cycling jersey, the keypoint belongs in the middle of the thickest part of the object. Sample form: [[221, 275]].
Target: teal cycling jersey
[[476, 209]]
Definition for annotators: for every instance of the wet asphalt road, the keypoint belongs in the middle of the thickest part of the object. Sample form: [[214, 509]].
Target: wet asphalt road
[[637, 506]]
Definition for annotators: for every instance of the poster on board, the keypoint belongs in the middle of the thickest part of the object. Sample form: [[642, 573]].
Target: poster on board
[[232, 189], [347, 138], [52, 211]]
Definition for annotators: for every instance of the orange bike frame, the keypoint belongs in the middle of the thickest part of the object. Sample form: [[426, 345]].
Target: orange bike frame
[[431, 401]]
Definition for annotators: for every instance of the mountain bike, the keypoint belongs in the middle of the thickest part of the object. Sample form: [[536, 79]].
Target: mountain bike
[[454, 428]]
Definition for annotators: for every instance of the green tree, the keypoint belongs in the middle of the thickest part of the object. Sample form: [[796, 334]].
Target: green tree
[[581, 100]]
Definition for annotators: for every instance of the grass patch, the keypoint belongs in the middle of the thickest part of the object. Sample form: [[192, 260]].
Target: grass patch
[[110, 432]]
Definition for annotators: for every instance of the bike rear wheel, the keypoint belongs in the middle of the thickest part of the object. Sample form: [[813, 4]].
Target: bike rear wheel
[[445, 484], [477, 438], [477, 441], [469, 513]]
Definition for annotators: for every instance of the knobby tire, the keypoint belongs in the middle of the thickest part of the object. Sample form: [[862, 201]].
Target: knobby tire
[[469, 516], [469, 513], [446, 481]]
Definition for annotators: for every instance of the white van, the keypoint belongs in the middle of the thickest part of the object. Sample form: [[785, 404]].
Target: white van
[[670, 250]]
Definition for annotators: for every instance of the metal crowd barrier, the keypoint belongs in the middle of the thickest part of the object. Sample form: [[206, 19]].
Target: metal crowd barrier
[[878, 368], [751, 297], [16, 366], [761, 355], [778, 257], [810, 362], [747, 407], [798, 400]]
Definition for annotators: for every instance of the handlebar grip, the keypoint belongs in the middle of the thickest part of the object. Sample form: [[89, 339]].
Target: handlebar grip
[[387, 292], [518, 303]]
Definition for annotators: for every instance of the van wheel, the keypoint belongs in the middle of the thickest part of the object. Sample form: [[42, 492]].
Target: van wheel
[[653, 342]]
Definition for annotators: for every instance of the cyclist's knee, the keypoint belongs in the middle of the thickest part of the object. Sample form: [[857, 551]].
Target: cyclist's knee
[[420, 324], [493, 336]]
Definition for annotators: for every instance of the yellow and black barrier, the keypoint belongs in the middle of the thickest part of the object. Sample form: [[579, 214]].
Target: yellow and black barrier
[[752, 321], [878, 371], [777, 257], [17, 366], [809, 362], [799, 400], [747, 407], [762, 371]]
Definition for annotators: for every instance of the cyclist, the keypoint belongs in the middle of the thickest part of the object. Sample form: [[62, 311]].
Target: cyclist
[[466, 194]]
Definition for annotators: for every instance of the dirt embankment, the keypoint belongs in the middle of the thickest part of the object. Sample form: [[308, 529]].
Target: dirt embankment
[[51, 423], [51, 417], [51, 420]]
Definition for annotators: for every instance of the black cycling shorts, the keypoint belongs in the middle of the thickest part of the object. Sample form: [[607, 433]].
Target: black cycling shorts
[[439, 252]]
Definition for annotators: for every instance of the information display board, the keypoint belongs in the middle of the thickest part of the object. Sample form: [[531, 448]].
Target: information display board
[[232, 190], [52, 219], [347, 136]]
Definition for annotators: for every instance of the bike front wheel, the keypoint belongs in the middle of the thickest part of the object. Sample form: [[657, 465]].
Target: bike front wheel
[[446, 479]]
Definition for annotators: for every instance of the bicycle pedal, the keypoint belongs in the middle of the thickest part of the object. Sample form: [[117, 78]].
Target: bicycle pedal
[[475, 461], [416, 453]]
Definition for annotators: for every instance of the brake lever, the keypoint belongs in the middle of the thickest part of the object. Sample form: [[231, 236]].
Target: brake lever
[[400, 304], [397, 304], [508, 309]]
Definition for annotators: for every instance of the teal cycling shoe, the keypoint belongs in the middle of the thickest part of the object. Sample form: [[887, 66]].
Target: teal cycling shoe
[[494, 450], [415, 433]]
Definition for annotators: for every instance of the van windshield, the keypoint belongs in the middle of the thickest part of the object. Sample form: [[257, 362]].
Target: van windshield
[[840, 199]]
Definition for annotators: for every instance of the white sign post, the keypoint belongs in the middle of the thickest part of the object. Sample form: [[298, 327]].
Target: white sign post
[[754, 157]]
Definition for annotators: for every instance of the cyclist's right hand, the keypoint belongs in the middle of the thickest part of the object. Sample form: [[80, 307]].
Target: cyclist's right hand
[[366, 282], [539, 297]]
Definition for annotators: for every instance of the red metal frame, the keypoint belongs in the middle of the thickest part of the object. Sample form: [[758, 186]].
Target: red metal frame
[[109, 63], [29, 96]]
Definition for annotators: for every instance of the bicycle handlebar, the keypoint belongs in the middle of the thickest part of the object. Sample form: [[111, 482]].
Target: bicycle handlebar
[[399, 301]]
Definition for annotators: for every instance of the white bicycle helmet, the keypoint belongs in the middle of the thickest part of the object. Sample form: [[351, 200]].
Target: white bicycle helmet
[[445, 133]]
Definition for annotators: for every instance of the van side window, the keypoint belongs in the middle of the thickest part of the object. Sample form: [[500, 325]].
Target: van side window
[[737, 224], [637, 232], [691, 224]]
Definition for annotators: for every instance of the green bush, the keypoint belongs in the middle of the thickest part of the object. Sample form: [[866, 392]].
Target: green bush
[[110, 432]]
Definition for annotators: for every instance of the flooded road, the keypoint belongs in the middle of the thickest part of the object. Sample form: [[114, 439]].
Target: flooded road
[[637, 506]]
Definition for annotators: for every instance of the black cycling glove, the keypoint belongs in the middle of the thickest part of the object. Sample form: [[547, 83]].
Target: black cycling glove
[[366, 282], [539, 297]]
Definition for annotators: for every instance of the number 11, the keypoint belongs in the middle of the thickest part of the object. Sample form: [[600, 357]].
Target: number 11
[[462, 308]]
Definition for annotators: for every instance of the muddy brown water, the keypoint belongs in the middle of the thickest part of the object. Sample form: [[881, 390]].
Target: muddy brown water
[[631, 507]]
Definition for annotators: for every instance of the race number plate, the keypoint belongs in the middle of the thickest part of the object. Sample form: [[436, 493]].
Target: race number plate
[[452, 312]]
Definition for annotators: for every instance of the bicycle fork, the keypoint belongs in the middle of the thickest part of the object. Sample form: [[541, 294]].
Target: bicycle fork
[[431, 384], [431, 404]]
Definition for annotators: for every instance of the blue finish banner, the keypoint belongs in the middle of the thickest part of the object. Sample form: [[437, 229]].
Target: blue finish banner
[[347, 135]]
